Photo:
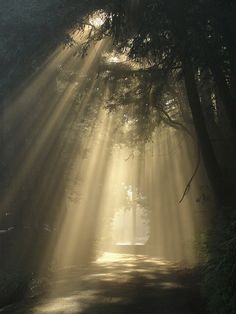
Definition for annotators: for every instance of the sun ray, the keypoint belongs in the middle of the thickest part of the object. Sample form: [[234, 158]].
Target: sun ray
[[107, 200]]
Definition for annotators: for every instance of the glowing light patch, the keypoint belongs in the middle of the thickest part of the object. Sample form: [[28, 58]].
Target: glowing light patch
[[170, 285], [65, 305], [117, 58], [128, 259], [97, 19]]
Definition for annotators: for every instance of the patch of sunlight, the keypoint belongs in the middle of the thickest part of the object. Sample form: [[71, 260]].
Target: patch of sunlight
[[128, 243], [158, 262], [109, 257], [59, 305], [129, 259], [107, 276], [170, 285], [130, 265], [97, 19], [97, 275], [115, 57], [117, 300]]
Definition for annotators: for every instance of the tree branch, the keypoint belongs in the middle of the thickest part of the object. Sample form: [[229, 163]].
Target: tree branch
[[174, 122], [193, 175], [178, 124]]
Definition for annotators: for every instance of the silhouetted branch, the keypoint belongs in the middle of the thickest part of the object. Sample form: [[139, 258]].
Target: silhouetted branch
[[178, 124], [193, 175], [174, 122], [131, 155]]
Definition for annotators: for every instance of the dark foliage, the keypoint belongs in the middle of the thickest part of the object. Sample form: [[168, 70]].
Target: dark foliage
[[220, 270]]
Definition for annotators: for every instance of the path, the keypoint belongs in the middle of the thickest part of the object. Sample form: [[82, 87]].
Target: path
[[122, 284]]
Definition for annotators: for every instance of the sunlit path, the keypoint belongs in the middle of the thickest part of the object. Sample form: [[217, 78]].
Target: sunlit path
[[121, 283]]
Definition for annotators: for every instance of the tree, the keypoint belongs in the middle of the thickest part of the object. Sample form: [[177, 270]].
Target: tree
[[167, 36]]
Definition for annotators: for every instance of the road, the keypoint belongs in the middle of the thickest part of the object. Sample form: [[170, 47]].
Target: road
[[120, 284]]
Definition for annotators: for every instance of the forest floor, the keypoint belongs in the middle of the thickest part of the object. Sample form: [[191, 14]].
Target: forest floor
[[119, 284]]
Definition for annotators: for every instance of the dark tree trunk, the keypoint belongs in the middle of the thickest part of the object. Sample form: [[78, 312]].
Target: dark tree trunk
[[208, 154], [228, 35], [224, 91], [232, 63], [205, 93]]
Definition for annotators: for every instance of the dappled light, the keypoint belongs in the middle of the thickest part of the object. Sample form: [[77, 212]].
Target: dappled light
[[113, 277]]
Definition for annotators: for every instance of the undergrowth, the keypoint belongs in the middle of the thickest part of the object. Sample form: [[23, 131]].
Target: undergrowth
[[220, 268]]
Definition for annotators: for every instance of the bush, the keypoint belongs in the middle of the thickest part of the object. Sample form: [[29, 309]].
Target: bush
[[17, 285], [220, 270], [13, 286]]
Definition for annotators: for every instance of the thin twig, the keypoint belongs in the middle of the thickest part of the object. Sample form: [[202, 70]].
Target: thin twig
[[176, 123], [193, 175], [131, 155]]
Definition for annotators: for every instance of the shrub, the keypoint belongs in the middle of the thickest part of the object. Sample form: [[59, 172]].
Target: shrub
[[13, 286], [17, 285], [220, 270]]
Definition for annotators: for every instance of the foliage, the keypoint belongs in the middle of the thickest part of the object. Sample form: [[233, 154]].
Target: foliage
[[15, 284], [31, 30], [220, 271]]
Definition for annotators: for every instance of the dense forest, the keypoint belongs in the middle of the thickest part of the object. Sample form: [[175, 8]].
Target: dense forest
[[118, 149]]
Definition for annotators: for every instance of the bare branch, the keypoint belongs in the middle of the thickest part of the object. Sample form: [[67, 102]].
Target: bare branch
[[174, 122], [193, 175], [178, 124]]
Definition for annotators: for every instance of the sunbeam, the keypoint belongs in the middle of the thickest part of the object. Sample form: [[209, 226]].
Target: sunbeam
[[96, 197], [117, 159]]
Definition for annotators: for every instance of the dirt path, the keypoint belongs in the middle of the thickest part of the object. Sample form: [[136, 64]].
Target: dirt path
[[118, 284]]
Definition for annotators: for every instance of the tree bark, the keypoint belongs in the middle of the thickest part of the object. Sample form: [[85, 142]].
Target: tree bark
[[224, 91]]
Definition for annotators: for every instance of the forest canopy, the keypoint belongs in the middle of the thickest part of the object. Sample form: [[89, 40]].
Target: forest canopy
[[186, 54]]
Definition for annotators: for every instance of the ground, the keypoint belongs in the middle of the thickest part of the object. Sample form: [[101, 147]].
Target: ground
[[119, 284]]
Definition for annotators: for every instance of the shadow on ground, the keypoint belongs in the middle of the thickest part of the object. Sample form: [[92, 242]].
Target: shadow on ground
[[121, 283]]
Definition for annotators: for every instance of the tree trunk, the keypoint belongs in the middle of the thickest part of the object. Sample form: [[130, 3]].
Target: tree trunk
[[232, 63], [228, 35], [208, 154], [227, 98]]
